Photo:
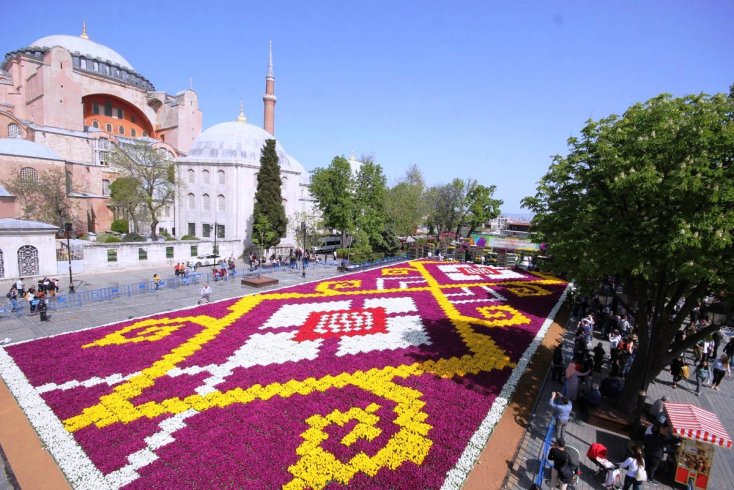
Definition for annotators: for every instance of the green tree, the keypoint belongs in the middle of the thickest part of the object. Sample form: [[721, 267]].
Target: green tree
[[127, 196], [268, 196], [314, 228], [649, 197], [45, 198], [370, 189], [263, 233], [405, 203], [332, 189], [445, 203], [481, 207], [155, 174]]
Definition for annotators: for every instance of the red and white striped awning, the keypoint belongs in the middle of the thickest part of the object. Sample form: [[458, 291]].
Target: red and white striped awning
[[698, 424]]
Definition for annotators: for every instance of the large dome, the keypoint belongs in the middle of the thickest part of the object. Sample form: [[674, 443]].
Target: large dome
[[83, 46], [237, 142]]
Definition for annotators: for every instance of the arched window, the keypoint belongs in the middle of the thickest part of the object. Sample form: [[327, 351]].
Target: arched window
[[205, 176], [192, 176], [220, 176], [133, 133], [108, 127], [121, 130], [192, 201], [205, 201], [27, 261], [13, 130], [95, 124], [220, 202], [2, 265], [28, 176]]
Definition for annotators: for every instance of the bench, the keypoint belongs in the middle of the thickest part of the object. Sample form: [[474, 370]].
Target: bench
[[610, 419]]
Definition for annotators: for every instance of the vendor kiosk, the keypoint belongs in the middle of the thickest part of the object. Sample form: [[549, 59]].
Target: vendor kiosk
[[700, 432]]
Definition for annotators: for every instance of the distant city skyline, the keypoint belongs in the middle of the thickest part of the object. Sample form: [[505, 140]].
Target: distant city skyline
[[484, 90]]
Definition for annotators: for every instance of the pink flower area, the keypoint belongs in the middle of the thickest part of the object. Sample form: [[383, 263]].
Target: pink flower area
[[374, 379]]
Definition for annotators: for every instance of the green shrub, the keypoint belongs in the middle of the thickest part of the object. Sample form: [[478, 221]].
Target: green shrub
[[133, 237], [169, 238], [120, 226], [189, 237], [108, 239]]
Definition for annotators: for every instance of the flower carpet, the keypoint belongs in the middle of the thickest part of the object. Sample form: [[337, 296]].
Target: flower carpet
[[389, 378]]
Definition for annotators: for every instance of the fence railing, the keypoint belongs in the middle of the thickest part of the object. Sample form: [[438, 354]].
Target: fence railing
[[543, 458]]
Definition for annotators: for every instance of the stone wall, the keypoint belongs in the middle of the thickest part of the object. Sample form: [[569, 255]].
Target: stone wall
[[109, 257]]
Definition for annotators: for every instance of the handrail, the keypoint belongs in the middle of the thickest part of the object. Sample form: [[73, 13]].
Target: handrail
[[543, 459]]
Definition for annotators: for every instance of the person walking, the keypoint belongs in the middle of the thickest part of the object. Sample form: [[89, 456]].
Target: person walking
[[703, 373], [13, 297], [20, 286], [42, 305], [157, 281], [599, 354], [676, 370], [561, 407], [721, 367], [206, 292], [633, 464]]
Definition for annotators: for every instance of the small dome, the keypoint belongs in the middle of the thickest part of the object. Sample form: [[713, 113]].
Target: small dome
[[237, 142], [24, 148], [90, 49]]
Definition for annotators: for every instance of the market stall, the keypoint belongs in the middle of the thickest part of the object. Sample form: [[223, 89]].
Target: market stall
[[701, 432]]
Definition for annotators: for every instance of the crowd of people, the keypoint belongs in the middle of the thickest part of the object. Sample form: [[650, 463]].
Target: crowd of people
[[593, 375], [36, 297]]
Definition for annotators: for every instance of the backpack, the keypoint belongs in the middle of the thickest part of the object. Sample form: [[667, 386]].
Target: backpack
[[565, 474]]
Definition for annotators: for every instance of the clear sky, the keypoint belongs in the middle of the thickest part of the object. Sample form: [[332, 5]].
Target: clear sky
[[486, 89]]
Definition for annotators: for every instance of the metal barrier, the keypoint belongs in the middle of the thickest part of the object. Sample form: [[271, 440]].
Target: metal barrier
[[77, 299], [543, 460]]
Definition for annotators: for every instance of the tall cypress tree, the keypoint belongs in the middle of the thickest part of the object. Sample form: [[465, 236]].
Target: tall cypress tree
[[268, 197]]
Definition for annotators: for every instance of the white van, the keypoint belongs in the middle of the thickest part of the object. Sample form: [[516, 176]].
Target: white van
[[328, 244]]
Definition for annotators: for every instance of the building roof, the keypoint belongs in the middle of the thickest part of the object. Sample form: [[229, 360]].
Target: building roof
[[83, 46], [7, 224], [25, 148], [237, 142]]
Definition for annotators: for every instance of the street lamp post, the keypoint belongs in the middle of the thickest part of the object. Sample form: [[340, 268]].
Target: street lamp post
[[303, 257], [67, 229]]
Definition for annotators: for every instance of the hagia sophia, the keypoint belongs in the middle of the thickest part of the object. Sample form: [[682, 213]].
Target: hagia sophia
[[66, 102]]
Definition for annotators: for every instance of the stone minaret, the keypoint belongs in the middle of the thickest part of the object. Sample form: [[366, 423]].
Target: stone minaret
[[269, 97]]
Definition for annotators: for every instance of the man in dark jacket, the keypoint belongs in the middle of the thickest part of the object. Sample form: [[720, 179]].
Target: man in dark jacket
[[655, 444], [560, 458]]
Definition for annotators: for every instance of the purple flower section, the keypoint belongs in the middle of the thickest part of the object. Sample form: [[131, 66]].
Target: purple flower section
[[109, 446], [168, 387], [252, 445], [60, 359], [239, 440], [67, 403]]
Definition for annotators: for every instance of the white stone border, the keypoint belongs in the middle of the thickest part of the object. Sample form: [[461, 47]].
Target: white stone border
[[74, 463], [456, 477]]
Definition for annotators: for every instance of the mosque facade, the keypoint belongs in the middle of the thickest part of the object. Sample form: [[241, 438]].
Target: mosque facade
[[67, 101]]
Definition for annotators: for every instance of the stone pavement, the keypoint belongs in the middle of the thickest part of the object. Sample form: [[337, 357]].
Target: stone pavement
[[96, 313], [581, 435]]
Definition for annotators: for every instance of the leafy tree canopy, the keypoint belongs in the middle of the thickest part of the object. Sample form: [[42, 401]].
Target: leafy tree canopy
[[332, 189], [45, 198], [649, 197], [152, 171], [405, 203], [370, 189]]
